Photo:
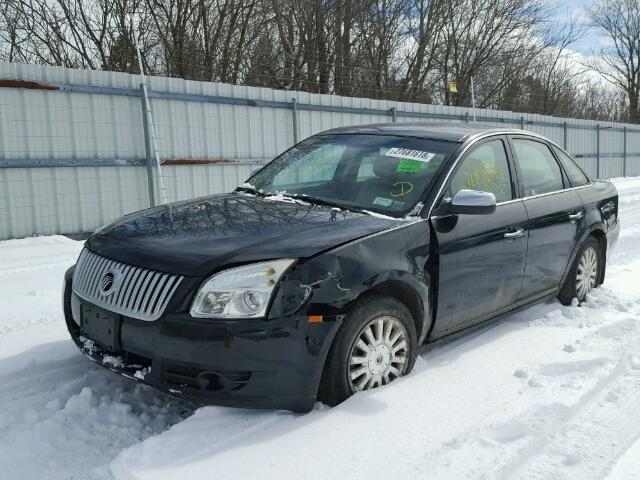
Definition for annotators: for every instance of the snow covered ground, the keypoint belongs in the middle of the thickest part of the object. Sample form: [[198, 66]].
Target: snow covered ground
[[551, 392]]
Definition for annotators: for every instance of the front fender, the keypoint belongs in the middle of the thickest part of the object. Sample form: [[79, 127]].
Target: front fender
[[328, 283]]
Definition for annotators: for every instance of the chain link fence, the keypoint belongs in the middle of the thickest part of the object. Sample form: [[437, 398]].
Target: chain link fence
[[74, 144]]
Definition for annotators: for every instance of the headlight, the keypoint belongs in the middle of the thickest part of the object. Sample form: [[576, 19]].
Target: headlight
[[242, 292]]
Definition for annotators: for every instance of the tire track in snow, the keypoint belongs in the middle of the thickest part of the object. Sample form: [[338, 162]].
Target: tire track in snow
[[532, 443], [597, 433], [590, 435]]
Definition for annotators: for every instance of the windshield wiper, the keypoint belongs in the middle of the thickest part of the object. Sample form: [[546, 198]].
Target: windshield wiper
[[304, 198], [250, 190], [326, 203]]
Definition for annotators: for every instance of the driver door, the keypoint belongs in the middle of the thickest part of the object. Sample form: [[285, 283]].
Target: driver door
[[481, 257]]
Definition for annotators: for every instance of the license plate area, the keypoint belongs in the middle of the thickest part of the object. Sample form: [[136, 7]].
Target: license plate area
[[101, 326]]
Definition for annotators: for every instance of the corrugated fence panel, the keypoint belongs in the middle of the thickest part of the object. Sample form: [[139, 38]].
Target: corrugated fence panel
[[199, 180], [44, 201], [72, 150]]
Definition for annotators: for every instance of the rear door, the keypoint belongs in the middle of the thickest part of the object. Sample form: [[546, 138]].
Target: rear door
[[481, 257], [555, 213]]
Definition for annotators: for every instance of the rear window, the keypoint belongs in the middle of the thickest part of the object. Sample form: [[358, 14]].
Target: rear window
[[539, 168], [577, 177]]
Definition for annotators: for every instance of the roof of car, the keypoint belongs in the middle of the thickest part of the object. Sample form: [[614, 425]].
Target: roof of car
[[454, 132]]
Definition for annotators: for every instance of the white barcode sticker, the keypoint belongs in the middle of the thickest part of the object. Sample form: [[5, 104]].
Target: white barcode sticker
[[407, 153]]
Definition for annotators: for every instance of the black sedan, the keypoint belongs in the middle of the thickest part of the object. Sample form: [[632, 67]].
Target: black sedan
[[323, 274]]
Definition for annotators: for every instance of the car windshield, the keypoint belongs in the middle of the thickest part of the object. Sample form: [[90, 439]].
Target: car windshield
[[381, 173]]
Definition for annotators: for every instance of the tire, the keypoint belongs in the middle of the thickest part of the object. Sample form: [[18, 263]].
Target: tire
[[584, 275], [385, 358]]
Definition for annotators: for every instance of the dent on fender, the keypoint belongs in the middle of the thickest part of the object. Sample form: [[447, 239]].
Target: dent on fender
[[327, 283]]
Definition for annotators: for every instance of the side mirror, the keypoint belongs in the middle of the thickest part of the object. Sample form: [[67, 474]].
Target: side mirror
[[472, 202]]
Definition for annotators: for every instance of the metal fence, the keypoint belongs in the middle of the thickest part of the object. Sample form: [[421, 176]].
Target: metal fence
[[73, 150]]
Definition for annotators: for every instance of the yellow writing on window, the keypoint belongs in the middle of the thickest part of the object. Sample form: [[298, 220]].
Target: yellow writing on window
[[488, 179]]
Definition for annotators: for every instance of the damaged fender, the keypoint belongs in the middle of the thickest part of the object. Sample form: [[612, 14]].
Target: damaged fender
[[328, 283]]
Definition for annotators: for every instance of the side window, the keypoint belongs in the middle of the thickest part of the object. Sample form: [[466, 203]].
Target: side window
[[485, 168], [575, 174], [540, 171], [319, 165]]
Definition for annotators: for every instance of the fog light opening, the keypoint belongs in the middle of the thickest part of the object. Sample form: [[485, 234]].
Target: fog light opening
[[210, 381]]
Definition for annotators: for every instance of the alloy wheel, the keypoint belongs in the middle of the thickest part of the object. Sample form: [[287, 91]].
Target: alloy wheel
[[587, 273], [379, 354]]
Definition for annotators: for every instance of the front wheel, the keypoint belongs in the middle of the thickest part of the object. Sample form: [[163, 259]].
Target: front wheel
[[584, 275], [375, 345]]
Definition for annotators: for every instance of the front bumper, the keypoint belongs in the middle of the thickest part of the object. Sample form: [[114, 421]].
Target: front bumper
[[275, 363]]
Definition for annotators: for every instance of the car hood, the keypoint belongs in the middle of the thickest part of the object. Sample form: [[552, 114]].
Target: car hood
[[198, 236]]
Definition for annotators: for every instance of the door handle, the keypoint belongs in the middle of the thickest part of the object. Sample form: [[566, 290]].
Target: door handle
[[576, 215], [514, 233]]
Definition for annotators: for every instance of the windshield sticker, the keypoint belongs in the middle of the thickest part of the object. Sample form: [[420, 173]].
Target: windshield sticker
[[382, 201], [409, 166], [409, 154], [400, 189]]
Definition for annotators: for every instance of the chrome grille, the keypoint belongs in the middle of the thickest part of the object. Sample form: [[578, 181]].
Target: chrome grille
[[133, 291]]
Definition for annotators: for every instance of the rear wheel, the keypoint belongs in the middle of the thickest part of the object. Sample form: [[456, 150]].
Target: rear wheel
[[375, 345], [584, 275]]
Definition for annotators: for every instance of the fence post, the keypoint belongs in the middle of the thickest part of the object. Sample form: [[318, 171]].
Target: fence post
[[521, 123], [394, 115], [294, 114], [598, 150], [624, 152], [466, 117], [564, 132], [147, 148]]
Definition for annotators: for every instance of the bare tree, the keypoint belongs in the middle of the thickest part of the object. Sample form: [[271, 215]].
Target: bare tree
[[381, 34], [343, 42], [387, 49], [550, 83], [556, 70], [425, 20], [620, 63], [10, 35], [482, 34]]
